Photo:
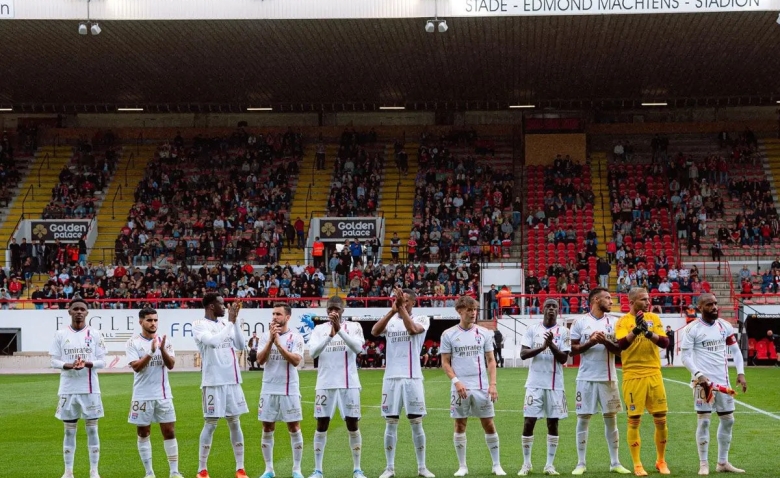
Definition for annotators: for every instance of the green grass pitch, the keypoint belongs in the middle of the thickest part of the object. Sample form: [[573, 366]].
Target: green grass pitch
[[31, 442]]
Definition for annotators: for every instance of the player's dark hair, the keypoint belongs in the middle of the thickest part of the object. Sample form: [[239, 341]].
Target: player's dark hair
[[412, 295], [594, 292], [145, 312], [209, 298], [76, 301], [285, 306]]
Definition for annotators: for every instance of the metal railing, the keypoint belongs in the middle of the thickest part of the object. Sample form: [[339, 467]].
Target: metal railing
[[113, 201], [16, 227], [308, 196], [138, 140], [45, 161], [130, 162], [29, 192]]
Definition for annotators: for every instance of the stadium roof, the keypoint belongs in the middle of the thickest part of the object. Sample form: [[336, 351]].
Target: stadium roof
[[480, 63]]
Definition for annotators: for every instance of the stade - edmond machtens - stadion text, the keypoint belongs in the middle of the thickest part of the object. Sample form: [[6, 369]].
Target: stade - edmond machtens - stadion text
[[601, 7]]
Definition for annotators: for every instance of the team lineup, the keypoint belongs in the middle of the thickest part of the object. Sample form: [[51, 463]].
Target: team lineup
[[468, 360]]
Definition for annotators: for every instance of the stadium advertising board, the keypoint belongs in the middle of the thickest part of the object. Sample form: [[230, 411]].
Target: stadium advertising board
[[117, 325], [481, 8], [65, 230], [339, 229]]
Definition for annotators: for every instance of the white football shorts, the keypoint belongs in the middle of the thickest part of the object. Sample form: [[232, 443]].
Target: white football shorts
[[543, 403], [279, 408], [145, 412], [476, 404], [223, 401], [346, 399], [406, 393], [591, 395], [74, 406]]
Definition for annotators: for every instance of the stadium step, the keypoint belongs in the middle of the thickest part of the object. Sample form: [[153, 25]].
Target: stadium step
[[397, 200], [310, 196], [34, 190], [120, 198], [602, 217]]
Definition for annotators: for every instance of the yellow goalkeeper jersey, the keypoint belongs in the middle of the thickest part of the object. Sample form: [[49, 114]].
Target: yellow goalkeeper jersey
[[642, 358]]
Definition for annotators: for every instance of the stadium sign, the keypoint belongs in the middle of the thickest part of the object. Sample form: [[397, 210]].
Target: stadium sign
[[64, 230], [342, 228], [480, 8], [6, 9]]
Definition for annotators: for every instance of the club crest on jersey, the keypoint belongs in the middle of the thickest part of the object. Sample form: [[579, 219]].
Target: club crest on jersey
[[649, 324], [478, 339]]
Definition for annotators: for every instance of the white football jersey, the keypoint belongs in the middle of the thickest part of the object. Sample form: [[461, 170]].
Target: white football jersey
[[151, 383], [337, 363], [218, 341], [597, 363], [402, 350], [545, 372], [279, 376], [468, 348], [70, 345], [710, 344]]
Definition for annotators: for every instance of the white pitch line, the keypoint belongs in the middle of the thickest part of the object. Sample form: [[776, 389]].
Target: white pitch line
[[738, 402], [691, 412]]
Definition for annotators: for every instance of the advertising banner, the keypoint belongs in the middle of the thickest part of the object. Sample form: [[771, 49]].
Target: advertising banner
[[37, 327], [50, 230], [339, 229]]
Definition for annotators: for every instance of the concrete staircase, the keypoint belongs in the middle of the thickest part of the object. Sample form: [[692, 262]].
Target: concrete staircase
[[602, 217], [771, 150], [310, 195], [398, 213], [35, 189], [119, 199]]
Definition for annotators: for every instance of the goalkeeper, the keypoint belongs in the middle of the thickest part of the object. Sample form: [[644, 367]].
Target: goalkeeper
[[640, 334], [705, 344]]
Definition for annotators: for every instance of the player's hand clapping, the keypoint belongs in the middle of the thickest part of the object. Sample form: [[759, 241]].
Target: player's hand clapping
[[400, 299], [78, 364], [335, 323], [548, 339], [597, 338], [154, 345], [162, 342], [233, 311]]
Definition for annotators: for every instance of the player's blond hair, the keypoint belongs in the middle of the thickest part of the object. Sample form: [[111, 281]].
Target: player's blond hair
[[466, 302], [634, 293]]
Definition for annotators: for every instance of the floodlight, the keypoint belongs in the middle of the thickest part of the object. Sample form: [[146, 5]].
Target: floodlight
[[82, 28], [442, 26], [95, 28], [429, 26]]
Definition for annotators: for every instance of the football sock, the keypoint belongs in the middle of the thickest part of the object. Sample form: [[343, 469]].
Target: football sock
[[172, 451], [145, 450], [93, 444], [661, 435], [267, 446], [418, 438], [552, 447], [296, 442], [356, 444], [69, 446], [206, 436], [391, 436], [634, 441], [459, 440], [703, 437], [528, 444], [492, 443], [237, 440], [724, 437], [613, 438], [320, 439], [582, 437]]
